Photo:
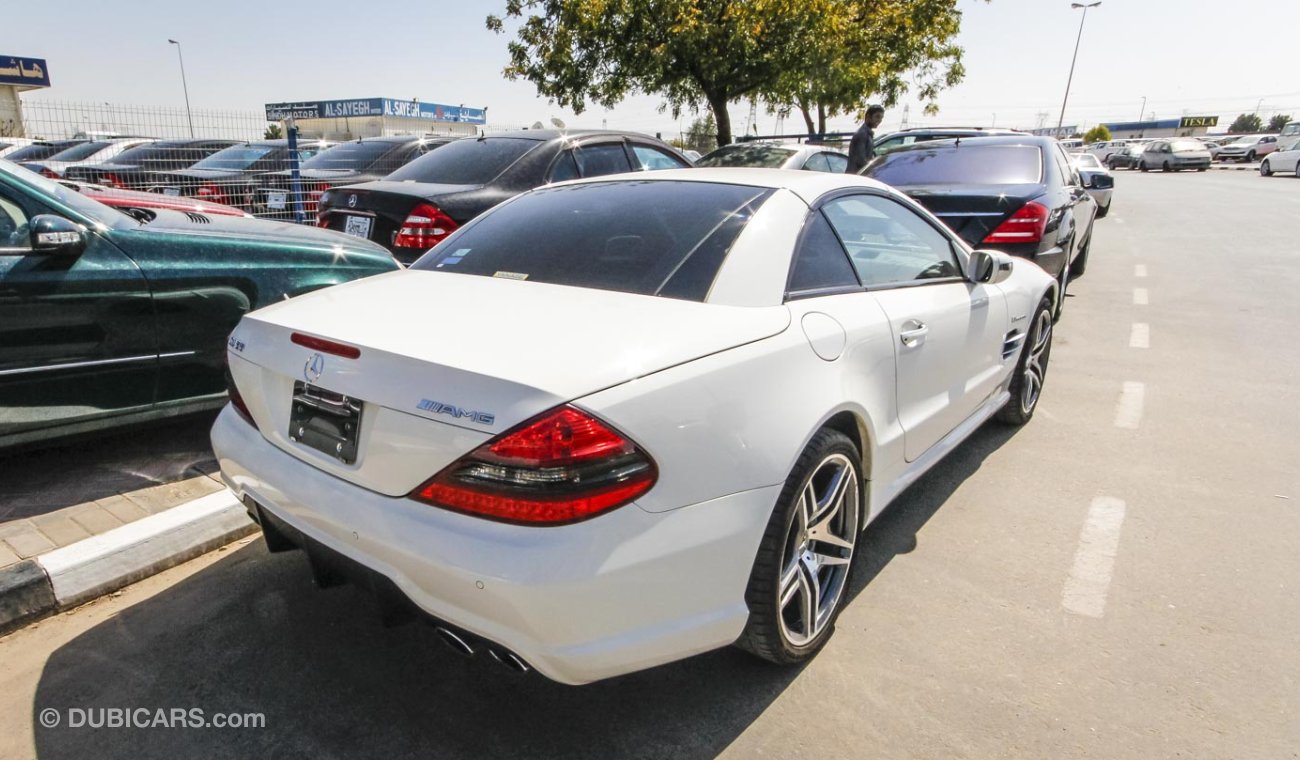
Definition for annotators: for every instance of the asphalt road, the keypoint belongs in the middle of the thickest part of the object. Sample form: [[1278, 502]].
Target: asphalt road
[[1117, 579]]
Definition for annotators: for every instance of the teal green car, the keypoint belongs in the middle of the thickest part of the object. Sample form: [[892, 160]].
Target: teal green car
[[109, 319]]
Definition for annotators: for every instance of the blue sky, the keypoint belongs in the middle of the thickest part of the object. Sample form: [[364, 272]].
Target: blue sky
[[241, 54]]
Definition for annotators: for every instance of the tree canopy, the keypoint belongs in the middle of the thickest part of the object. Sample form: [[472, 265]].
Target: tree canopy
[[1246, 123], [1098, 133], [829, 55], [1278, 121]]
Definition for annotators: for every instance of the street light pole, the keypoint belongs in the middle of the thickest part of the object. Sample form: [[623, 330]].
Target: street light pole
[[184, 85], [1085, 8], [1143, 112]]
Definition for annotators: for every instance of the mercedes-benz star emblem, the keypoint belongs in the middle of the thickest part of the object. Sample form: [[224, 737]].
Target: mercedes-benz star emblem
[[312, 369], [352, 201]]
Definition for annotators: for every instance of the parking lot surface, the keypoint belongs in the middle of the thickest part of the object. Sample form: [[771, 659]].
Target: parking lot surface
[[1116, 579]]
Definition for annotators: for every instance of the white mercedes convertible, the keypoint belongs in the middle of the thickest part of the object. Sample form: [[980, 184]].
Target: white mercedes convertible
[[616, 422]]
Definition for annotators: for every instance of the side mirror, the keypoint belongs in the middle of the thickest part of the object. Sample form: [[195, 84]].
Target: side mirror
[[989, 267], [1098, 182], [57, 236]]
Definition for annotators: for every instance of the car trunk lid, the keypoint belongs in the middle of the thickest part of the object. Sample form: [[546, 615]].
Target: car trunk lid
[[972, 211]]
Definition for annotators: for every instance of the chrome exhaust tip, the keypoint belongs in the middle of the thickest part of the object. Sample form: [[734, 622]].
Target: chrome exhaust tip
[[454, 642], [509, 661]]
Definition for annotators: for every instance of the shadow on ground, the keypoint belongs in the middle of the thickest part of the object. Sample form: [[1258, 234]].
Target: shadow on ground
[[249, 634], [42, 480]]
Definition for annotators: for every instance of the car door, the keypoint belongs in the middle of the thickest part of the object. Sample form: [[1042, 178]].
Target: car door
[[77, 336], [947, 331]]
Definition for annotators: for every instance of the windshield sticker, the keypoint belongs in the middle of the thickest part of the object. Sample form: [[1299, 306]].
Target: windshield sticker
[[454, 257], [511, 275]]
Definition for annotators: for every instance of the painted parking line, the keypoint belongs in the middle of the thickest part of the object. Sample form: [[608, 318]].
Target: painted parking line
[[1140, 297], [1141, 336], [1087, 587], [1139, 270], [1128, 412]]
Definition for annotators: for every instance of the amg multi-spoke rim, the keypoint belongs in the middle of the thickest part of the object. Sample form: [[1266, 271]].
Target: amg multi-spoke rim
[[818, 549], [1036, 363]]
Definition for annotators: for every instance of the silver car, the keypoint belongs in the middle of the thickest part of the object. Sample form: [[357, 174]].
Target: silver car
[[1101, 191], [817, 158], [1175, 155]]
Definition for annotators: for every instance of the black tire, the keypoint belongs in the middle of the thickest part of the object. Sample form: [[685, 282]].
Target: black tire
[[1142, 166], [1024, 397], [766, 632], [1265, 170], [1080, 263], [1250, 156], [1166, 167], [1102, 211]]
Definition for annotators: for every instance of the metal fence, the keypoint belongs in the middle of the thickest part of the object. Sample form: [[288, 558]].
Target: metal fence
[[231, 158]]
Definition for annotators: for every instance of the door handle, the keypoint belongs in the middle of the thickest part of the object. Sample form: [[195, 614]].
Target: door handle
[[914, 335]]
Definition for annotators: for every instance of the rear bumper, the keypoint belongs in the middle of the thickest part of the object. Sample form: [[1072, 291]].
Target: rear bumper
[[579, 603]]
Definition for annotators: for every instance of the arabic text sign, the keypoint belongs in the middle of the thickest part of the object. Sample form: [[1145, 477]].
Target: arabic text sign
[[408, 109], [24, 72]]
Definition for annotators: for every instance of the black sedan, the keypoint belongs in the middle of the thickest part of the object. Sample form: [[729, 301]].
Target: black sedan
[[1018, 194], [415, 207], [108, 319], [346, 163], [230, 176], [42, 149], [136, 169]]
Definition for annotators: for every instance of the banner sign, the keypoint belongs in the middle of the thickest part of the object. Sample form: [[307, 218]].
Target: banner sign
[[404, 109], [1188, 122], [24, 72]]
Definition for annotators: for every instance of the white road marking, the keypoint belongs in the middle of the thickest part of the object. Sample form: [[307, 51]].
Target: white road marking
[[1140, 296], [1094, 561], [1140, 270], [1141, 336], [1128, 413]]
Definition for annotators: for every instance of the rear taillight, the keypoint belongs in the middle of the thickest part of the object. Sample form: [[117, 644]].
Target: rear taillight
[[560, 467], [110, 180], [1024, 226], [237, 400], [314, 191], [47, 172], [425, 227], [325, 346], [210, 192]]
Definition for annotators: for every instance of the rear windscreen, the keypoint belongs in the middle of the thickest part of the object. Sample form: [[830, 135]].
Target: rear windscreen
[[79, 152], [355, 156], [966, 163], [235, 158], [37, 151], [765, 156], [470, 161], [652, 238]]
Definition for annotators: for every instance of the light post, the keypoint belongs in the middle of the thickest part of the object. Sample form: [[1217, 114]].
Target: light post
[[1143, 112], [184, 85], [1065, 100]]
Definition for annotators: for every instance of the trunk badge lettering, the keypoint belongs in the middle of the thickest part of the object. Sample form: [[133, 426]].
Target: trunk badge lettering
[[455, 412]]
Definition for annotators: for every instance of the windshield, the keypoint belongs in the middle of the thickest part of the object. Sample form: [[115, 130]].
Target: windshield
[[1088, 161], [78, 152], [37, 151], [1245, 140], [964, 164], [67, 196], [235, 158], [664, 239], [1180, 146], [471, 161], [351, 156], [766, 156], [161, 156]]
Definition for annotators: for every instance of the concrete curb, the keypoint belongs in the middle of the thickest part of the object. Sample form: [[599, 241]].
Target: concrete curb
[[66, 577]]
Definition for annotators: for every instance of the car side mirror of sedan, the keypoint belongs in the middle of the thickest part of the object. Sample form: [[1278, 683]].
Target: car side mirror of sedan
[[1098, 182], [990, 267], [56, 235]]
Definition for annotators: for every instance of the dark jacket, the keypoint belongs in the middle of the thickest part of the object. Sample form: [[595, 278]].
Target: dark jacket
[[862, 149]]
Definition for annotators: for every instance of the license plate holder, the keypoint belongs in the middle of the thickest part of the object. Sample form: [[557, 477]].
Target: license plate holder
[[326, 421], [171, 191], [357, 226], [276, 200]]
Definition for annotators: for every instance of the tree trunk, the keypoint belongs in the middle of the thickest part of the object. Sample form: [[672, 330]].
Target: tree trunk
[[807, 118], [821, 119], [718, 104]]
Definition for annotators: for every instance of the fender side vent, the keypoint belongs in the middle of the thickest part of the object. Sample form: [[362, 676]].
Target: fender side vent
[[198, 218], [1011, 344]]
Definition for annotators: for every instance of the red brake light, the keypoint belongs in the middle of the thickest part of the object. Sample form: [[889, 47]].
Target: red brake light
[[314, 191], [326, 346], [561, 467], [47, 172], [1024, 226], [110, 180], [425, 227], [210, 192], [236, 400]]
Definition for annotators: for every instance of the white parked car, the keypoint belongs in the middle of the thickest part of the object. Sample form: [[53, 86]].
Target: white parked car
[[617, 422], [1247, 148], [1285, 160], [773, 155], [1089, 170], [1103, 149]]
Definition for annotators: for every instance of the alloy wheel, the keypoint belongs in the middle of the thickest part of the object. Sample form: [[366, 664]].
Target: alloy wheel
[[1036, 364], [818, 549]]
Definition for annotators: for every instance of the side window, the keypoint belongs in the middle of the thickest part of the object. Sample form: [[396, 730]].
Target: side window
[[817, 163], [819, 261], [598, 160], [838, 162], [652, 159], [565, 168], [14, 232], [889, 243], [1068, 174]]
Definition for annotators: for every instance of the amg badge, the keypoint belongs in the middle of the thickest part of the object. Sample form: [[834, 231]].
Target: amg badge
[[455, 412]]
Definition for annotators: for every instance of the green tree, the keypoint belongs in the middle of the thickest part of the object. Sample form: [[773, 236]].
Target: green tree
[[1278, 121], [1246, 123], [702, 135], [871, 50], [1098, 133], [716, 52], [273, 132]]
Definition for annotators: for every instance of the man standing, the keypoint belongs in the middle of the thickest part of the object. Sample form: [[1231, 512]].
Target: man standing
[[862, 147]]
